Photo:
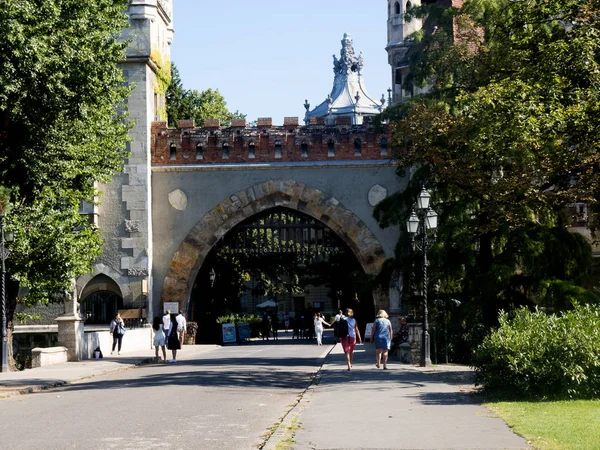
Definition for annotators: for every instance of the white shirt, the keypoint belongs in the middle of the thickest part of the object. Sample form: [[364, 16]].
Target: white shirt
[[319, 323], [166, 322], [180, 322]]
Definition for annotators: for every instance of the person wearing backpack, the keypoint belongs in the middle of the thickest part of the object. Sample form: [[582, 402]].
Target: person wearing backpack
[[117, 330], [348, 331]]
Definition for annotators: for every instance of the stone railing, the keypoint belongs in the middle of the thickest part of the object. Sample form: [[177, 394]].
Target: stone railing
[[42, 357]]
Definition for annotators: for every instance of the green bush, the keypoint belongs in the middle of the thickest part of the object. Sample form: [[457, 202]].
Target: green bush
[[540, 355], [237, 318]]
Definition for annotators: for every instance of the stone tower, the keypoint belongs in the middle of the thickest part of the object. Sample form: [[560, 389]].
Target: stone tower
[[124, 215], [399, 44]]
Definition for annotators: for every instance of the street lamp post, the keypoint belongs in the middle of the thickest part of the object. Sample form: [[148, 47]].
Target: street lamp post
[[4, 252], [424, 219]]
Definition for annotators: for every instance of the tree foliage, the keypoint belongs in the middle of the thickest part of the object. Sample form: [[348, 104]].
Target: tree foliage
[[63, 127], [183, 104], [507, 138]]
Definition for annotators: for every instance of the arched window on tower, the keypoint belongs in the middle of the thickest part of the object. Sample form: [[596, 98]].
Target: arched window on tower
[[357, 147], [173, 152], [251, 150], [304, 149], [398, 76], [408, 5], [383, 147], [330, 148], [397, 8], [277, 149], [199, 152]]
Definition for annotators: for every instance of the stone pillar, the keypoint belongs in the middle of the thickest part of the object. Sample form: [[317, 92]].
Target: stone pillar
[[395, 293], [71, 328]]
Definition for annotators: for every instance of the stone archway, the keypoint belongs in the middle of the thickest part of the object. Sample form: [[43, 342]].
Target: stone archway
[[101, 269], [192, 252]]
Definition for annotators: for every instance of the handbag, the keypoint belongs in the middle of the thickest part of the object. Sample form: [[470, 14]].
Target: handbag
[[120, 329]]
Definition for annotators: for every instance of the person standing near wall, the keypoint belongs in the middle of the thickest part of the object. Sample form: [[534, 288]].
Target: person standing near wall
[[350, 337], [117, 331], [173, 341], [167, 321], [181, 325], [159, 338]]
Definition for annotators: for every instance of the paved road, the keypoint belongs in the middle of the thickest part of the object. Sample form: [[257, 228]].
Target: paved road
[[228, 398]]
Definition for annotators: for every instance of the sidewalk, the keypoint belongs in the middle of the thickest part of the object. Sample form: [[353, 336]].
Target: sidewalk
[[34, 380], [405, 407]]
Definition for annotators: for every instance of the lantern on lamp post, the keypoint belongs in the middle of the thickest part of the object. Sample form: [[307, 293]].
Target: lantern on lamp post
[[7, 236], [423, 219]]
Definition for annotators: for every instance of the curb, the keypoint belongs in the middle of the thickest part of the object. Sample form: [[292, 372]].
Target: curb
[[46, 387], [285, 428]]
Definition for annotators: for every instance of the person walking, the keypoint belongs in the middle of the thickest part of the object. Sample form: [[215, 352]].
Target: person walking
[[381, 336], [275, 326], [336, 326], [350, 337], [286, 322], [318, 322], [117, 331], [173, 342], [181, 325], [159, 338], [265, 326]]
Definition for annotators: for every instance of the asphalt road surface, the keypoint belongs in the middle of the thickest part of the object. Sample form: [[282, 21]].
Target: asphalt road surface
[[227, 398]]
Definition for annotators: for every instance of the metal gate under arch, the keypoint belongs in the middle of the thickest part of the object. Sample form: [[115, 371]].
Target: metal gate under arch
[[100, 307]]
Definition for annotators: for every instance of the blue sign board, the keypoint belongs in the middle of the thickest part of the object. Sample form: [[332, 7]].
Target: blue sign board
[[243, 331]]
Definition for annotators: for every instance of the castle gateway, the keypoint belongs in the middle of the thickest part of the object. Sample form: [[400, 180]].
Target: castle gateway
[[191, 201]]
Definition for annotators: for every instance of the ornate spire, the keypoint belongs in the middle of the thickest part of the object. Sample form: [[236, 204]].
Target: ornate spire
[[349, 96], [348, 62]]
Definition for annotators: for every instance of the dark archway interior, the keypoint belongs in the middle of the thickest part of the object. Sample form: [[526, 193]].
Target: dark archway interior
[[283, 257], [100, 300]]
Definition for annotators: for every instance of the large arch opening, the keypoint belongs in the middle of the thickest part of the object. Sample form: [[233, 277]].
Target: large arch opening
[[192, 253], [282, 263], [100, 300]]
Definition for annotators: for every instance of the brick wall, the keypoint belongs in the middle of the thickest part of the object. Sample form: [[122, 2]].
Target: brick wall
[[267, 143]]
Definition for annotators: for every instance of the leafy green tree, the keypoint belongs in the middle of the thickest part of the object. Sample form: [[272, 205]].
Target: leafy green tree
[[506, 138], [185, 104], [62, 128]]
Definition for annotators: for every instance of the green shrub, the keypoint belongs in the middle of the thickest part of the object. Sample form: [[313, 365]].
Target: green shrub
[[237, 318], [540, 355]]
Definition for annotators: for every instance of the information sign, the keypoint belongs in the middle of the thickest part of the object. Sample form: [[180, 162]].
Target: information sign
[[171, 306], [243, 331], [228, 333], [367, 336]]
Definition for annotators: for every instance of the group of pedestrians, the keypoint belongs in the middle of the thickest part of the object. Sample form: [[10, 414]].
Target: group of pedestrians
[[346, 329], [269, 326], [169, 333]]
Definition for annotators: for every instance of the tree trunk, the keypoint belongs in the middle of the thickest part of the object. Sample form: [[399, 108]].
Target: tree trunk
[[486, 288]]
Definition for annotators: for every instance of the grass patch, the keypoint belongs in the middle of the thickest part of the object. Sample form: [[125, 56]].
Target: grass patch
[[288, 438], [553, 425]]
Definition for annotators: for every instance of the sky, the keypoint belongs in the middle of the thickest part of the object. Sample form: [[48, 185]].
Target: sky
[[267, 56]]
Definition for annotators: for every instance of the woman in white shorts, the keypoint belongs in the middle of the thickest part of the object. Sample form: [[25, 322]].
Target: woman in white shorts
[[159, 338]]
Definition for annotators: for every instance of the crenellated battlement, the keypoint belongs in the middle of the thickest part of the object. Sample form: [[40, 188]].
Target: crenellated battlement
[[291, 142]]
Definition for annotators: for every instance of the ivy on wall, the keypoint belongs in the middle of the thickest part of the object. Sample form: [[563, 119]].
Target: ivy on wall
[[163, 73]]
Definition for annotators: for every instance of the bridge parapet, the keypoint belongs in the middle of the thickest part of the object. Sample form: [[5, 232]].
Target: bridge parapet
[[265, 142]]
